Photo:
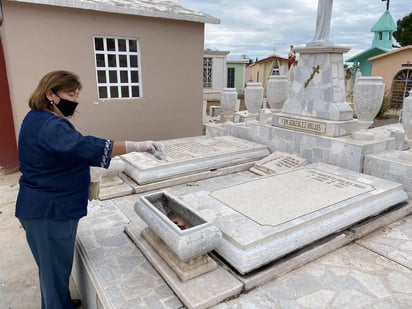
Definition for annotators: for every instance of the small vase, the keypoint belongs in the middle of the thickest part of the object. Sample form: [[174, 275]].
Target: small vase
[[368, 93], [253, 97], [407, 125], [277, 91], [228, 100]]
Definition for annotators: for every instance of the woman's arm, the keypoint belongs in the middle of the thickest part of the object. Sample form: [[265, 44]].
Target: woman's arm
[[119, 148]]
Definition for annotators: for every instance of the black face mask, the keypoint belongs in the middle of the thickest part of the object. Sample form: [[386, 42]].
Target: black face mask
[[67, 107]]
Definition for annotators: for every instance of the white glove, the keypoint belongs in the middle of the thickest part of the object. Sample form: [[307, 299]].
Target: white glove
[[146, 146]]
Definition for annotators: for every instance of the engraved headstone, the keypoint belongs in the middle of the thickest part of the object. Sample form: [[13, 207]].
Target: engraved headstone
[[277, 162], [192, 155]]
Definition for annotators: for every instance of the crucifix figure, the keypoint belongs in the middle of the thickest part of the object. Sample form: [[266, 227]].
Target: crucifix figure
[[323, 19]]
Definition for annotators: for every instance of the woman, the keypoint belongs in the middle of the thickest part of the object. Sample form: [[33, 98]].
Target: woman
[[54, 162]]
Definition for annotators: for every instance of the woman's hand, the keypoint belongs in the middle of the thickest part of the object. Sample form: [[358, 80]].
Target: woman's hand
[[145, 146]]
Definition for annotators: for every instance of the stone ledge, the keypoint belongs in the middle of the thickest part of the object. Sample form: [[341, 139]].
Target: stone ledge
[[198, 293], [389, 165], [320, 248]]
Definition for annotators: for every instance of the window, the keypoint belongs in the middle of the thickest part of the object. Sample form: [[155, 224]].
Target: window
[[275, 69], [401, 85], [117, 68], [207, 72], [231, 77]]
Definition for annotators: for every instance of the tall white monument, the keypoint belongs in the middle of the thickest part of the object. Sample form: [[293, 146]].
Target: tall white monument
[[323, 20], [317, 100]]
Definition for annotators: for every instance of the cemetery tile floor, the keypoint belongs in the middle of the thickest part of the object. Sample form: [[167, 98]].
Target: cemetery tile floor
[[373, 272]]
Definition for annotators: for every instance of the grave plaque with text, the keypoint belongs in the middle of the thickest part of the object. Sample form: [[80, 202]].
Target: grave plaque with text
[[302, 125], [191, 155], [277, 162], [289, 195]]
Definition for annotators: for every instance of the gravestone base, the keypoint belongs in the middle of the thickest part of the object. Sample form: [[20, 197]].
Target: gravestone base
[[129, 186], [260, 224], [190, 178], [342, 151], [313, 125], [318, 88], [184, 270]]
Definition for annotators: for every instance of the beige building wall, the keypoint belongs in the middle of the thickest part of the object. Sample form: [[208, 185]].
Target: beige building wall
[[39, 38], [390, 64]]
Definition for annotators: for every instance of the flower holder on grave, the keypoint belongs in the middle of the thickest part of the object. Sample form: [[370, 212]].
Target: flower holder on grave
[[178, 235], [407, 125], [368, 94]]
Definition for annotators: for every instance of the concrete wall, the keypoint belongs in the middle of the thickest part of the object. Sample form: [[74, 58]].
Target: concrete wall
[[39, 38], [240, 69], [218, 75]]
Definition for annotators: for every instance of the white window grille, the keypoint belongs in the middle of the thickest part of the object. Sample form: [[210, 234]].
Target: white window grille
[[207, 72], [117, 68]]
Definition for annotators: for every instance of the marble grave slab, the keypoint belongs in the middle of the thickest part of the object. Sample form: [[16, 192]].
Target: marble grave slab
[[191, 155], [289, 195], [265, 219]]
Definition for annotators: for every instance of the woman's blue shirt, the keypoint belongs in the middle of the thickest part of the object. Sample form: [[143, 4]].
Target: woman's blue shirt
[[54, 162]]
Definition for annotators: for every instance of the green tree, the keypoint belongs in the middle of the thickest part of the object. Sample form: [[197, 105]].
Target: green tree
[[404, 32]]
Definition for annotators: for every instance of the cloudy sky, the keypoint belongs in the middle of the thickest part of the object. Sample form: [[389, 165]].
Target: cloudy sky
[[268, 26]]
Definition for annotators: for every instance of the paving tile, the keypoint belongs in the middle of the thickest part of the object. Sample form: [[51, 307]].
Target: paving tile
[[350, 277], [125, 277], [393, 241]]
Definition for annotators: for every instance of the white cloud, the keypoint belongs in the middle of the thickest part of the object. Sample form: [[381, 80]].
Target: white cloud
[[256, 28]]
